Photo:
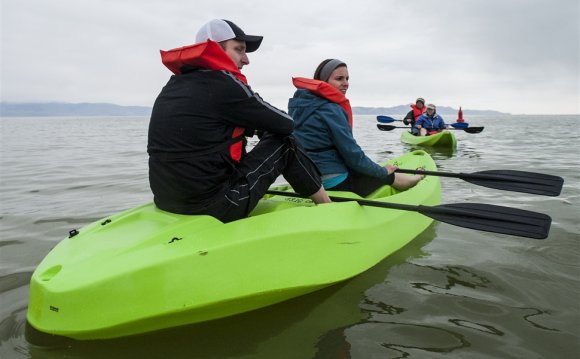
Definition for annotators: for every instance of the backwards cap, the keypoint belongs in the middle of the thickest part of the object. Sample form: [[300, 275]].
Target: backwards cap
[[219, 30]]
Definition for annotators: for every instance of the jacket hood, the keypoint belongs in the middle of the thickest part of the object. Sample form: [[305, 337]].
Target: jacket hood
[[304, 104]]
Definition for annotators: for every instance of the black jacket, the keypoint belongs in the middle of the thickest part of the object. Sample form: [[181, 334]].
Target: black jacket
[[409, 119], [190, 132]]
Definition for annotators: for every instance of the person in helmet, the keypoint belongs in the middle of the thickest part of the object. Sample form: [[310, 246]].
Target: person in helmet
[[430, 122], [417, 110]]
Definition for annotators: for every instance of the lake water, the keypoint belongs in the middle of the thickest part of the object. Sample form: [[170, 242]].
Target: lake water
[[451, 293]]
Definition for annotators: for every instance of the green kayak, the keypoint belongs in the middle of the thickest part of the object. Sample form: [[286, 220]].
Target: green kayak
[[442, 139], [145, 269]]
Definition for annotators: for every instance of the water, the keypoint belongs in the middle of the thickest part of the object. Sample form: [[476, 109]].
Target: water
[[452, 292]]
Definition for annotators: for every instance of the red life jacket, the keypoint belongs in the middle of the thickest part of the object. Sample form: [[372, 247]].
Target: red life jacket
[[207, 55], [417, 112], [325, 90]]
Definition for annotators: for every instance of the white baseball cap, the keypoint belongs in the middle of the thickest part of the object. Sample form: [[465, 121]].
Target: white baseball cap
[[221, 30]]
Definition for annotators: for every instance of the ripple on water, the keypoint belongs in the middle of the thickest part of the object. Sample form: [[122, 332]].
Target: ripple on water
[[469, 294], [400, 340]]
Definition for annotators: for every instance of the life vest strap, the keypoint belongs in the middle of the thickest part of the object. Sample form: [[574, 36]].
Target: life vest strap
[[184, 155]]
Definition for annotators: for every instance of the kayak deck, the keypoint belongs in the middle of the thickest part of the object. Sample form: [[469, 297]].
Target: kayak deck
[[441, 139], [145, 269]]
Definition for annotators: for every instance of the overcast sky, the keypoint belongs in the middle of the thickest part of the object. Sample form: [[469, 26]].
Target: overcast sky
[[517, 56]]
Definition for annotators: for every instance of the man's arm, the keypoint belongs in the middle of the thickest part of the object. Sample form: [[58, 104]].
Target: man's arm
[[409, 118], [419, 122], [243, 107]]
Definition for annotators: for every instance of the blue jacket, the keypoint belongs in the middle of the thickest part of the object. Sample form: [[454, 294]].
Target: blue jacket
[[431, 123], [322, 129]]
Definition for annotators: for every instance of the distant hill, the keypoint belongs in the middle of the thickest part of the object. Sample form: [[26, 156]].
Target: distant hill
[[403, 109], [9, 109], [14, 109]]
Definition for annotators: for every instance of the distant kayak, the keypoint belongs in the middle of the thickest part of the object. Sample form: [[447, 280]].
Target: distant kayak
[[145, 269], [442, 139]]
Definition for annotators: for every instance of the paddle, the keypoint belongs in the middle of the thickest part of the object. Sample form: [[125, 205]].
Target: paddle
[[507, 180], [468, 129], [483, 217], [460, 125], [386, 119]]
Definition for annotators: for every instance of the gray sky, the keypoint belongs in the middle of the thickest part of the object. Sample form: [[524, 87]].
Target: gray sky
[[517, 56]]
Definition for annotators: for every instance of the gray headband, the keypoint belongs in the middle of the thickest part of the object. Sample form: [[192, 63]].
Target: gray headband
[[328, 68]]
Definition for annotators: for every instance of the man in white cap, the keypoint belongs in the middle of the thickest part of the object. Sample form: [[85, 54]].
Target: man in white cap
[[196, 144], [430, 122]]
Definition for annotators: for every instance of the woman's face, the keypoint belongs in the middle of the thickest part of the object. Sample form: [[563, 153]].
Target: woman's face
[[339, 79]]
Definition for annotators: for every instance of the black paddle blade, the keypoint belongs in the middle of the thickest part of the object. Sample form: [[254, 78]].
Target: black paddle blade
[[517, 181], [491, 218], [472, 129], [386, 127], [507, 180]]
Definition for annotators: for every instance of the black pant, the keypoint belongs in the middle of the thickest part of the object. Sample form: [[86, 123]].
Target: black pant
[[362, 184], [274, 155]]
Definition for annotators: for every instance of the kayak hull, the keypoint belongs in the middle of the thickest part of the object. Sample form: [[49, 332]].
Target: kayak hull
[[444, 139], [145, 269]]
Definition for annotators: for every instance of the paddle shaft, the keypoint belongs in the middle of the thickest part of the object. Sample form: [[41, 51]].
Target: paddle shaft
[[388, 128], [468, 129], [361, 201], [425, 210], [387, 119], [507, 180], [484, 217], [453, 175]]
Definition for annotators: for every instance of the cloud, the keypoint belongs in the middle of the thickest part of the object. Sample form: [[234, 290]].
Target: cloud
[[519, 56]]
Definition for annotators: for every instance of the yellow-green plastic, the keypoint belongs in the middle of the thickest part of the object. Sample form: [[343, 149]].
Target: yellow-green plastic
[[145, 269], [442, 139]]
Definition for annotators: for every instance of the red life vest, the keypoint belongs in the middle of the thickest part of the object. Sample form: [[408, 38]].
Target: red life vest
[[417, 112], [325, 90], [207, 55]]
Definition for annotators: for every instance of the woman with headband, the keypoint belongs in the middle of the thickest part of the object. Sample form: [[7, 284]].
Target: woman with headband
[[323, 125]]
